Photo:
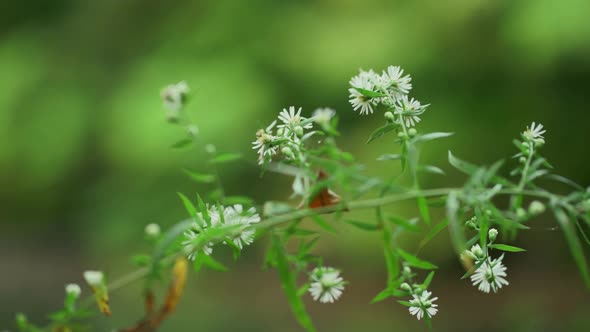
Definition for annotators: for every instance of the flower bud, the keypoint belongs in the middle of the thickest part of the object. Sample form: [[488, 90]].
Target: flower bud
[[94, 278], [488, 212], [536, 208], [412, 132], [407, 270], [402, 135], [522, 160], [520, 213], [539, 142], [152, 230], [288, 152], [280, 131], [492, 234], [469, 254], [210, 148], [73, 289], [405, 287], [299, 131], [389, 116], [476, 251]]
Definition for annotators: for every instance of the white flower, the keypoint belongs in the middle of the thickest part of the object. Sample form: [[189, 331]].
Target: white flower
[[292, 119], [423, 305], [534, 132], [490, 275], [264, 143], [322, 116], [396, 84], [235, 215], [366, 81], [73, 289], [326, 284], [174, 98], [94, 278], [190, 245], [152, 230], [410, 109], [232, 215]]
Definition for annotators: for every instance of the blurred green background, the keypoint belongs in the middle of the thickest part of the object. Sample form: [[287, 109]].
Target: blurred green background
[[85, 157]]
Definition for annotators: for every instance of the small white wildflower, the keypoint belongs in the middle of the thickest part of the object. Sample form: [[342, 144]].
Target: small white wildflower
[[292, 119], [366, 81], [534, 132], [73, 289], [322, 116], [396, 84], [152, 230], [235, 215], [326, 284], [174, 97], [410, 109], [94, 278], [190, 247], [264, 143], [490, 275], [536, 208], [423, 305]]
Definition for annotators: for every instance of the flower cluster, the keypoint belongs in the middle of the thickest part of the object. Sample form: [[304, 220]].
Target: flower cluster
[[390, 89], [326, 284], [289, 136], [232, 216], [174, 97], [490, 273], [421, 304]]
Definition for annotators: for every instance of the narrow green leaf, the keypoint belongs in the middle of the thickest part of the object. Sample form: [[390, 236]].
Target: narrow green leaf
[[569, 230], [381, 131], [415, 261], [369, 93], [408, 225], [213, 264], [204, 211], [405, 303], [323, 224], [505, 247], [431, 136], [225, 158], [384, 294], [385, 157], [362, 225], [243, 200], [461, 165], [188, 205], [455, 226], [434, 231], [182, 143], [424, 211], [431, 169], [471, 270], [199, 177], [287, 279], [428, 280]]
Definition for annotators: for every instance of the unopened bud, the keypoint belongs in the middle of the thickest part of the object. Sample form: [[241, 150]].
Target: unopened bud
[[522, 160], [536, 208], [288, 152], [389, 116], [492, 234], [405, 287], [152, 230], [412, 132], [299, 131], [520, 213]]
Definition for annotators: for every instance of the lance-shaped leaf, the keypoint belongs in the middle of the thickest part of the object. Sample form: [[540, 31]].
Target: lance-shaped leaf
[[569, 230], [415, 261]]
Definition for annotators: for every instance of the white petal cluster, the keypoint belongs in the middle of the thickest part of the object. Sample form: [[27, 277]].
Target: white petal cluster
[[390, 89], [323, 116], [423, 305], [94, 278], [234, 215], [326, 284], [73, 289], [174, 98], [287, 140], [534, 132], [490, 275]]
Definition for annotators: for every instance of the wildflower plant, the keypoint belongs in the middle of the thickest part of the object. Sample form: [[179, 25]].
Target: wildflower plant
[[303, 146]]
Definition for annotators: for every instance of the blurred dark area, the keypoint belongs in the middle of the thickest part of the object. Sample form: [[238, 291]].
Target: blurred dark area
[[86, 159]]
